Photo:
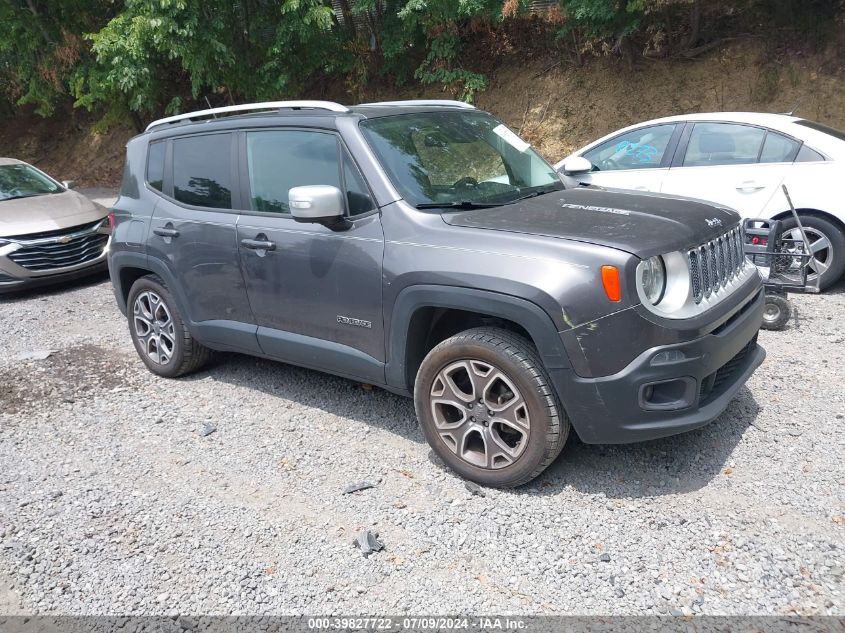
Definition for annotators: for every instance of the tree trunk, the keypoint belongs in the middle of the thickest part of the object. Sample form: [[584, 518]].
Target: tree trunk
[[348, 22], [37, 17], [136, 121], [695, 26]]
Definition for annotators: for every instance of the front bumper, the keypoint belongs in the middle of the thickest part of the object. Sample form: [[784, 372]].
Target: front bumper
[[10, 284], [696, 381]]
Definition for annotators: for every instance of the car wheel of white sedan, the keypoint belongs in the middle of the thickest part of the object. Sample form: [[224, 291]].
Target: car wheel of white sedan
[[827, 244]]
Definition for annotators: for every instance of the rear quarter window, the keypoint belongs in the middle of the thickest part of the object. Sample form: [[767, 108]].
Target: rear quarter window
[[808, 155], [155, 165]]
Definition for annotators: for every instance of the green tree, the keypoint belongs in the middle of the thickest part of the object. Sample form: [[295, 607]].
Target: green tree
[[158, 52], [41, 48]]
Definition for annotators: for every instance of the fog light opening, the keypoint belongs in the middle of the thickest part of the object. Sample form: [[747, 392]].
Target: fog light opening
[[668, 394]]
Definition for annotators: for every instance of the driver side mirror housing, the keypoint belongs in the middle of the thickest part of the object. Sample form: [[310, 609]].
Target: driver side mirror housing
[[318, 204], [575, 165]]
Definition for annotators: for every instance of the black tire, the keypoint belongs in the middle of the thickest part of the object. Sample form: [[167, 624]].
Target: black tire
[[517, 361], [777, 312], [187, 354], [835, 254]]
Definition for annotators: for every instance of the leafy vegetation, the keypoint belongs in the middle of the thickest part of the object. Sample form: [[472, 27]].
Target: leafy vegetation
[[146, 57]]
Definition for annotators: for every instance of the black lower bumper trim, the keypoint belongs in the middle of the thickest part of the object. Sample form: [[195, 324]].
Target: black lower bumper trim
[[609, 410]]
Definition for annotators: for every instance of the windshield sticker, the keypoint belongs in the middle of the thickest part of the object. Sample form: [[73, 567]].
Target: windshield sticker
[[585, 207], [510, 138]]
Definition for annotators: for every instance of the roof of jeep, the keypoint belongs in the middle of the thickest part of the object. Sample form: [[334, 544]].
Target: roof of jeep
[[376, 111], [364, 111]]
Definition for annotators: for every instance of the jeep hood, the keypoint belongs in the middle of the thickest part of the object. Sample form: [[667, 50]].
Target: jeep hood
[[643, 224]]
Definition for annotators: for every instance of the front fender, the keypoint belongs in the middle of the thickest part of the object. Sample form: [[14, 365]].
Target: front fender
[[530, 316]]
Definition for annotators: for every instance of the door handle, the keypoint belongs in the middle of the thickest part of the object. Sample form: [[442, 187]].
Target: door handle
[[163, 231], [259, 245], [749, 186]]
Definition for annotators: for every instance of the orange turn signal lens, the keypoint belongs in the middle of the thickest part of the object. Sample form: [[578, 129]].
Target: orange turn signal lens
[[611, 283]]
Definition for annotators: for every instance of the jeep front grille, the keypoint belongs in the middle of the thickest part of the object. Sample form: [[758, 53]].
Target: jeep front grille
[[714, 264]]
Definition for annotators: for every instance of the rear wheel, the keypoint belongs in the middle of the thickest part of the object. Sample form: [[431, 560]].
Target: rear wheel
[[158, 331], [826, 242], [488, 409]]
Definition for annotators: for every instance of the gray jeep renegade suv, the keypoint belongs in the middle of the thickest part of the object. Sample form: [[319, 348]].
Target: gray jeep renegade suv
[[425, 248]]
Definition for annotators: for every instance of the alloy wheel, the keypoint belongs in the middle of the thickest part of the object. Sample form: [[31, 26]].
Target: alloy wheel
[[480, 414], [820, 247], [154, 327]]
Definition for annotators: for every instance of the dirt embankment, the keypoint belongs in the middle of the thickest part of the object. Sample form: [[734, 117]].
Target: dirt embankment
[[557, 107]]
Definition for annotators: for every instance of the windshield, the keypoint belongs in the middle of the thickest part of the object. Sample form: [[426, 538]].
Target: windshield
[[22, 181], [451, 158]]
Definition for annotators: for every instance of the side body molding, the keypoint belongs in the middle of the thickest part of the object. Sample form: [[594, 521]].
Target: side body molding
[[528, 315]]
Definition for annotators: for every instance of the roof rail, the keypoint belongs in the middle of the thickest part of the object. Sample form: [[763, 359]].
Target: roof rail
[[423, 102], [247, 107]]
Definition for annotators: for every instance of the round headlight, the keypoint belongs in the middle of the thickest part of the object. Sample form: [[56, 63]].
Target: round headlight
[[653, 279]]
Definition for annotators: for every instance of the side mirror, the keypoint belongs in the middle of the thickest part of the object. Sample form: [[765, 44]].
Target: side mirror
[[69, 184], [320, 204], [576, 165]]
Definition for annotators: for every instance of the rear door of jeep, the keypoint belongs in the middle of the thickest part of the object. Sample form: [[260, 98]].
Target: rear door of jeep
[[193, 234]]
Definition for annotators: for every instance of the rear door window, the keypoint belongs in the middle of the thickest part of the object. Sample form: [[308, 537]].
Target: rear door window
[[778, 148], [642, 148], [202, 170], [723, 144]]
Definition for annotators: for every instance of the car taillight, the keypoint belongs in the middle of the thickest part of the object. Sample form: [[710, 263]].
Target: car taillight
[[111, 219]]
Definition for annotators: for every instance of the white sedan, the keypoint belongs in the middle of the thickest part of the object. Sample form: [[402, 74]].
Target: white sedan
[[737, 159]]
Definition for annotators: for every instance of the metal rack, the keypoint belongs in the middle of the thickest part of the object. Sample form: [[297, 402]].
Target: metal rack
[[250, 107], [782, 261]]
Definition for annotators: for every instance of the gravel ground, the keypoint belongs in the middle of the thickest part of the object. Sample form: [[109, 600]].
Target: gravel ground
[[115, 498]]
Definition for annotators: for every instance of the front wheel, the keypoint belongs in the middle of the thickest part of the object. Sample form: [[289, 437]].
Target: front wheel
[[826, 242], [488, 409]]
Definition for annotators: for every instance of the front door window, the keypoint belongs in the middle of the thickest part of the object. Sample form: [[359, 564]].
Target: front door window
[[643, 148]]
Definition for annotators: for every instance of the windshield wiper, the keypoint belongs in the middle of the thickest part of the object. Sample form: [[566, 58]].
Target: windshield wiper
[[534, 194], [460, 204]]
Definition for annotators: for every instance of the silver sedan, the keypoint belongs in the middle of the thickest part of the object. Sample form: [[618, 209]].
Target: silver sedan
[[48, 232]]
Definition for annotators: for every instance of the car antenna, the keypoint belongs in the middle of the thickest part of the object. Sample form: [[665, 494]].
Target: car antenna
[[794, 108], [213, 116]]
